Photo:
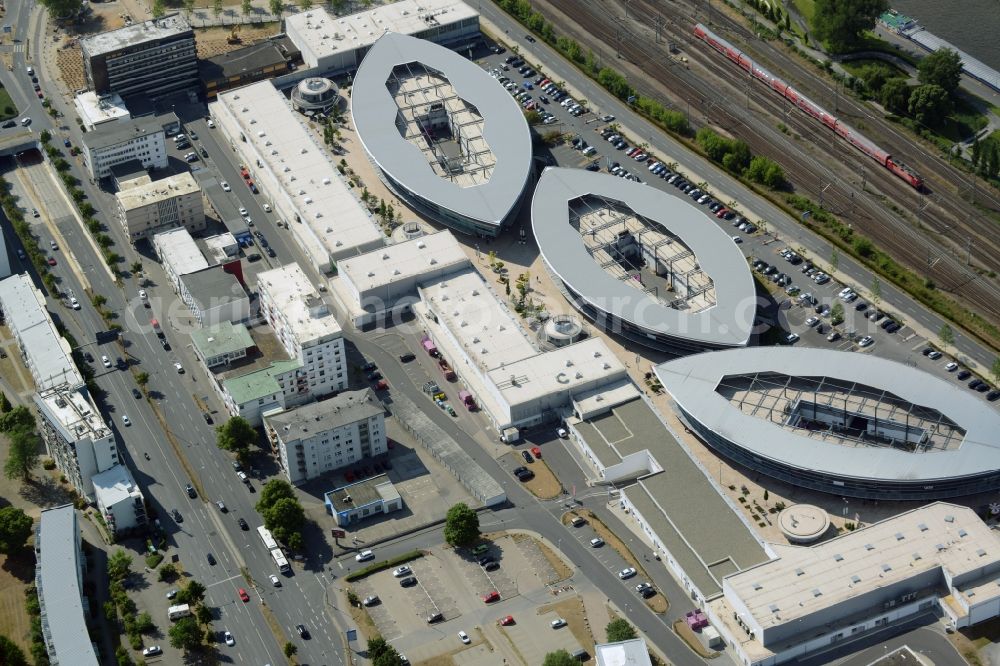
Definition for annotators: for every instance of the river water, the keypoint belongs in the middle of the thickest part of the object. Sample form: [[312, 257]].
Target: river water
[[971, 25]]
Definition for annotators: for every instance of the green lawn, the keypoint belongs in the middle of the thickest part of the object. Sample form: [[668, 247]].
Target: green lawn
[[807, 8], [7, 108]]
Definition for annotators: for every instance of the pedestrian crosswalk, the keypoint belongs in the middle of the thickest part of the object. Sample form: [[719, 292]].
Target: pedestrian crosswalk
[[12, 48]]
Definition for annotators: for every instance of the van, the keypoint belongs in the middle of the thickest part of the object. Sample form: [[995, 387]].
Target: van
[[175, 613]]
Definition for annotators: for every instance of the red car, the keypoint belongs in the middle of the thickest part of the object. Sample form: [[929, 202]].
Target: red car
[[52, 261], [40, 95], [537, 452], [491, 597], [244, 597], [506, 621]]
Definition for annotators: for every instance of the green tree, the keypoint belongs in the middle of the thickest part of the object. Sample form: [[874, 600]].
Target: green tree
[[217, 8], [274, 490], [22, 455], [5, 405], [946, 335], [63, 8], [142, 379], [185, 634], [135, 267], [834, 260], [876, 290], [765, 171], [895, 96], [119, 565], [619, 630], [168, 572], [559, 658], [159, 8], [188, 5], [192, 593], [995, 369], [290, 649], [284, 518], [875, 77], [276, 7], [306, 5], [144, 624], [236, 435], [461, 527], [942, 68], [10, 653], [203, 615], [929, 105], [841, 23], [15, 528], [246, 6], [19, 418], [837, 313]]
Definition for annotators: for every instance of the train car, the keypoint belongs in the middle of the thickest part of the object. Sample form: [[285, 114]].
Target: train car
[[810, 107]]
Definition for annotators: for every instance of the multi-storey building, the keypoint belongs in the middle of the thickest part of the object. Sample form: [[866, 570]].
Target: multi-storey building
[[305, 327], [75, 435], [119, 500], [59, 570], [322, 436], [153, 58], [155, 206], [221, 344], [142, 139]]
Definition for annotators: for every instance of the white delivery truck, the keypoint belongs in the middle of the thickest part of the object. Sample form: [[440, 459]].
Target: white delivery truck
[[177, 612]]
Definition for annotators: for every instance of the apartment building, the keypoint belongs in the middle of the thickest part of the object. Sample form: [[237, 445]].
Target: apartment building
[[322, 436], [305, 327], [119, 500], [59, 570], [142, 139], [152, 59], [152, 207]]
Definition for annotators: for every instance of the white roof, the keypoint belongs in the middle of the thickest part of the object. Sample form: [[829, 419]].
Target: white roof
[[338, 225], [402, 261], [137, 33], [578, 367], [623, 653], [75, 412], [325, 35], [177, 248], [59, 585], [807, 580], [114, 485], [101, 109], [160, 190], [48, 353], [298, 303], [487, 331]]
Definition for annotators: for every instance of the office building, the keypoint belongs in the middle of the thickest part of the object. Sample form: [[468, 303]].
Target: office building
[[305, 327], [59, 570], [151, 208], [221, 344], [94, 109], [149, 59], [316, 438], [120, 501], [333, 45], [361, 500], [215, 295], [110, 144]]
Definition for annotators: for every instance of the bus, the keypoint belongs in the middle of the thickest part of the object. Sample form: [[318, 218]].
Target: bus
[[280, 561], [265, 536]]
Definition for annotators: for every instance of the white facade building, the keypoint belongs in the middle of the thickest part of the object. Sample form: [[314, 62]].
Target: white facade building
[[337, 44], [156, 206], [305, 327], [279, 386], [296, 174], [322, 436], [59, 570], [119, 500], [75, 436], [142, 139], [384, 281], [95, 109], [179, 255]]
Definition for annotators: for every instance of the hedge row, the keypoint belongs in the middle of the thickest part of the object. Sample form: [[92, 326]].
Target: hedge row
[[384, 564]]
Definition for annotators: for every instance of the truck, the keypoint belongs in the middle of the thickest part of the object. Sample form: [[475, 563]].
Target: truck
[[175, 613], [510, 435], [467, 400]]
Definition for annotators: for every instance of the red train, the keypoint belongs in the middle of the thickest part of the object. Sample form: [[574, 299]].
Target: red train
[[845, 131]]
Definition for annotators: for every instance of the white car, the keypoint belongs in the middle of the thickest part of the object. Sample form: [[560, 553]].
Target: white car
[[951, 367], [464, 637], [210, 123], [179, 367], [364, 556], [558, 622], [142, 295], [226, 187], [626, 573], [266, 207], [243, 211], [242, 476], [865, 341], [152, 651], [274, 580], [230, 641], [105, 361], [402, 571], [75, 304], [596, 542], [126, 420], [737, 239]]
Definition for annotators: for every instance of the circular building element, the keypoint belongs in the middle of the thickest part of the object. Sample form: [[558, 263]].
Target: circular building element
[[563, 330], [315, 94], [803, 523]]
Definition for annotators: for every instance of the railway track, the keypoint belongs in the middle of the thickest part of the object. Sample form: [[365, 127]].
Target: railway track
[[819, 163]]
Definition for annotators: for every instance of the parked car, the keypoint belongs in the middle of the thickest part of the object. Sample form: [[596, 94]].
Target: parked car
[[596, 542]]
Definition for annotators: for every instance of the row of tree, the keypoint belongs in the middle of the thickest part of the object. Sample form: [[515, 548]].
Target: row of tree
[[736, 157], [18, 424]]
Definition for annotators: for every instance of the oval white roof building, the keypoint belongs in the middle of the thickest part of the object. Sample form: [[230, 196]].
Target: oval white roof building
[[445, 135], [845, 423], [641, 263]]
